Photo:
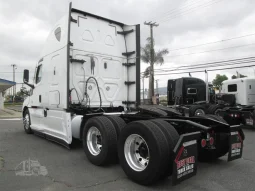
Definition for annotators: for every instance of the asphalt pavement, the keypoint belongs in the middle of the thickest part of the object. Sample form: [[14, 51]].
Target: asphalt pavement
[[28, 162]]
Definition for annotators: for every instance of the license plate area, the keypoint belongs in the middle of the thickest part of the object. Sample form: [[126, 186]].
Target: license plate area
[[185, 161], [235, 146], [249, 121]]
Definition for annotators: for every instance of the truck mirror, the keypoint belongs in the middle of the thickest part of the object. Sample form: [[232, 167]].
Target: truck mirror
[[26, 76], [192, 91]]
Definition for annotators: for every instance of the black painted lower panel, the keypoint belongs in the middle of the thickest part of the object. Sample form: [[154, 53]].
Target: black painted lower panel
[[51, 138]]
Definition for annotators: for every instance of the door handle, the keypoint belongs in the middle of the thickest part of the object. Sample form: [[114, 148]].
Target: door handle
[[40, 98]]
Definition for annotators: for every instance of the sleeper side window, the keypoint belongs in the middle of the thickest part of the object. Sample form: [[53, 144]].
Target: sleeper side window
[[232, 87], [58, 33], [38, 74]]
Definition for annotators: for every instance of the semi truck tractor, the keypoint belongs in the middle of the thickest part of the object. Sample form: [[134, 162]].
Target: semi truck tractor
[[87, 88]]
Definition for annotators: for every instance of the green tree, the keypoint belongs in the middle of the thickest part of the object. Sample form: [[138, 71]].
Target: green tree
[[241, 76], [217, 82], [158, 59], [23, 92]]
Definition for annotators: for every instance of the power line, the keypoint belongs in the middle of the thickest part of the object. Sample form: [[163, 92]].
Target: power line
[[187, 11], [219, 65], [218, 69], [223, 40], [174, 10], [211, 63], [232, 47], [208, 64]]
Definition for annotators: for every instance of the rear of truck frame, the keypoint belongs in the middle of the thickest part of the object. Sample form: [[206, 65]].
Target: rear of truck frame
[[87, 87]]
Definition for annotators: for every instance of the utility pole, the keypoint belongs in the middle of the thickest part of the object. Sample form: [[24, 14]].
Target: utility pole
[[157, 85], [143, 90], [152, 58], [14, 87]]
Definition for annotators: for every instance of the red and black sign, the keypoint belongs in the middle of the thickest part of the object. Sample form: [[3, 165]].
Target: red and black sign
[[185, 163], [235, 146]]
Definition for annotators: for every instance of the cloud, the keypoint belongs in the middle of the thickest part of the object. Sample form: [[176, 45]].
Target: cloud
[[25, 25]]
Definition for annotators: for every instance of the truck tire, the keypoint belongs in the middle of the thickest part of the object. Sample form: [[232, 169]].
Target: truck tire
[[100, 141], [222, 144], [172, 137], [214, 109], [118, 123], [143, 152], [168, 130], [27, 122], [197, 110]]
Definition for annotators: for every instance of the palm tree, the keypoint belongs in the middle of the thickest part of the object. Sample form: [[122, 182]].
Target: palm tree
[[158, 59]]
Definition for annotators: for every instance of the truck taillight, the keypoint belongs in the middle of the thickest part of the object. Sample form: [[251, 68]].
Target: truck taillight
[[211, 140], [203, 142]]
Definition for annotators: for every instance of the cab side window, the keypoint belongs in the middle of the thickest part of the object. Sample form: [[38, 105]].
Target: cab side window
[[38, 74]]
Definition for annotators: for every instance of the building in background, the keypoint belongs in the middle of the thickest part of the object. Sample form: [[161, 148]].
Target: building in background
[[4, 85]]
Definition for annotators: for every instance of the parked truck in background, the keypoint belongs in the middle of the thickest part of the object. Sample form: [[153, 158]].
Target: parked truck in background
[[235, 103], [243, 111], [87, 87]]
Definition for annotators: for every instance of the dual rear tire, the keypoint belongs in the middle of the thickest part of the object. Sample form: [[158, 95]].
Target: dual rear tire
[[144, 148], [100, 135]]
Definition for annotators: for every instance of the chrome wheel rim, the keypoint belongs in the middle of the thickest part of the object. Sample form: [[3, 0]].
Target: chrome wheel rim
[[94, 141], [199, 112], [136, 152], [26, 121]]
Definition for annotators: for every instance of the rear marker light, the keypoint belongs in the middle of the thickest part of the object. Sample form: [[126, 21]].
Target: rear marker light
[[203, 142], [211, 140]]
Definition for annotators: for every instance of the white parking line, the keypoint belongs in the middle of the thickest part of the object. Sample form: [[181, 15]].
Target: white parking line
[[11, 119]]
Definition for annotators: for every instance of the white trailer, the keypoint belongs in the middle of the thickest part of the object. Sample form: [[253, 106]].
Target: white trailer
[[242, 88], [87, 87]]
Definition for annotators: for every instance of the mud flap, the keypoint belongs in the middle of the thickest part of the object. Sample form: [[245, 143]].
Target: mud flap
[[185, 163], [235, 145]]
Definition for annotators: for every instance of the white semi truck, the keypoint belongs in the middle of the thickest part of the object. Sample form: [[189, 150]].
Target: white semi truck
[[243, 109], [87, 87]]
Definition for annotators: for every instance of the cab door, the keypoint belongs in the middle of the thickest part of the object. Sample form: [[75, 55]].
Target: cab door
[[36, 110]]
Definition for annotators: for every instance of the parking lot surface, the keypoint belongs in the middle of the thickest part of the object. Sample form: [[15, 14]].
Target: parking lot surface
[[28, 162]]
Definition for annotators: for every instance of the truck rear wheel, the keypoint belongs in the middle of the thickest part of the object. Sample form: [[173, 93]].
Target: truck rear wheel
[[100, 141], [118, 123], [214, 109], [197, 110], [172, 137], [143, 152]]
